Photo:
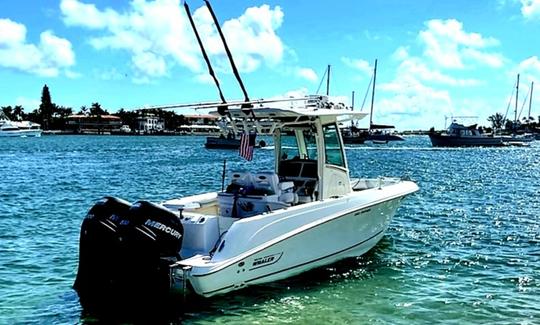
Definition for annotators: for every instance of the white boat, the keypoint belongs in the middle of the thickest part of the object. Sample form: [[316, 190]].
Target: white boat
[[10, 128], [304, 212]]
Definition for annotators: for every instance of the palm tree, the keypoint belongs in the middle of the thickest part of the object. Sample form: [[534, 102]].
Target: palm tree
[[497, 120], [18, 113]]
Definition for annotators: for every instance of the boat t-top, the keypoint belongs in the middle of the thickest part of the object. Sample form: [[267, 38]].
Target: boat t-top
[[301, 213]]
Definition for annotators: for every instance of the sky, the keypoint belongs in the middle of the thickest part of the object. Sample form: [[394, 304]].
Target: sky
[[436, 59]]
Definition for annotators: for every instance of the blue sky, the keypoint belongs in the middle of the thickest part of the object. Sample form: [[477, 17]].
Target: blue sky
[[436, 58]]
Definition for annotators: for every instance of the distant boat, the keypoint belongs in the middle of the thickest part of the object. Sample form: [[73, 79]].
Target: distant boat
[[227, 142], [459, 135], [10, 128], [376, 133], [515, 138], [222, 142], [383, 133]]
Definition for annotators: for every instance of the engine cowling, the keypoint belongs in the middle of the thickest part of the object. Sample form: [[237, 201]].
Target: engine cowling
[[151, 241], [99, 247], [126, 250]]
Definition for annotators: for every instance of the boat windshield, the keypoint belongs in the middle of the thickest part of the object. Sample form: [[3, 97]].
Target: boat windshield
[[302, 146], [332, 146]]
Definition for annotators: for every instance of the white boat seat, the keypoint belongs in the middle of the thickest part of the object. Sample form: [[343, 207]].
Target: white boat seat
[[266, 183], [287, 194], [239, 180]]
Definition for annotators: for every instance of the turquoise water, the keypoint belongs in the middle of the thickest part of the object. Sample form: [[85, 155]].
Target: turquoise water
[[465, 249]]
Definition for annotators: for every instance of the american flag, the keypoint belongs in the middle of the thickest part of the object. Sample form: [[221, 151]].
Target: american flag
[[247, 143]]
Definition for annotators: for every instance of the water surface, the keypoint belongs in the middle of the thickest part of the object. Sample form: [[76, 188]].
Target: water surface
[[464, 249]]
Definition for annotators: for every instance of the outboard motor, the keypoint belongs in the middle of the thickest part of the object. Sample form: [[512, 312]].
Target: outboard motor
[[151, 242], [99, 248], [126, 252]]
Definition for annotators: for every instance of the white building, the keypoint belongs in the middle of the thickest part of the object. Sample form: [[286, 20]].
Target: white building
[[150, 124]]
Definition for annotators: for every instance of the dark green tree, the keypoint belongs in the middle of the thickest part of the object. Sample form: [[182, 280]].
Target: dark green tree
[[96, 109], [128, 117], [83, 110], [8, 112], [18, 113], [497, 120], [46, 108]]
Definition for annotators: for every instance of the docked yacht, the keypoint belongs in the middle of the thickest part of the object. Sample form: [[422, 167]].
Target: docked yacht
[[304, 212], [10, 128]]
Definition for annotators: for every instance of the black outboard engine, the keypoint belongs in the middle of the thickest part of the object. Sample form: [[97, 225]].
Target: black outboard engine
[[151, 243], [125, 252], [99, 248]]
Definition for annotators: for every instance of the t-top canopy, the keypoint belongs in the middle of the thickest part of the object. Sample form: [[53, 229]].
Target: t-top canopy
[[290, 114]]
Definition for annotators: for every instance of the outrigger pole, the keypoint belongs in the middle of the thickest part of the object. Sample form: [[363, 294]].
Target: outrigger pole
[[205, 56], [229, 55]]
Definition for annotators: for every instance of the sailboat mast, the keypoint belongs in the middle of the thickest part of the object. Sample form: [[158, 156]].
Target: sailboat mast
[[530, 99], [352, 101], [328, 81], [515, 110], [373, 94]]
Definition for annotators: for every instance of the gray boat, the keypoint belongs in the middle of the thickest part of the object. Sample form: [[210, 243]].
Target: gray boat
[[459, 135]]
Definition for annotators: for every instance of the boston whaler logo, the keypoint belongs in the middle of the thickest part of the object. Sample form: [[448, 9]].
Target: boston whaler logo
[[159, 226], [266, 260]]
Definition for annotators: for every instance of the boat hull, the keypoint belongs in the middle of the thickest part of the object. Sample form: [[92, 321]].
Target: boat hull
[[354, 139], [442, 140], [384, 138], [336, 231], [21, 133], [221, 143]]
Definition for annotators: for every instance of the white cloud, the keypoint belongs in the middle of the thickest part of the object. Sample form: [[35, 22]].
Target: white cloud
[[401, 53], [109, 74], [77, 13], [12, 32], [419, 96], [416, 67], [447, 44], [530, 9], [29, 104], [307, 74], [48, 58], [158, 35], [529, 70], [72, 74], [205, 79], [358, 64], [493, 60], [412, 104]]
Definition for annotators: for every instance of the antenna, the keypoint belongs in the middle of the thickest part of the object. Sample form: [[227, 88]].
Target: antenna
[[229, 55], [205, 56]]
